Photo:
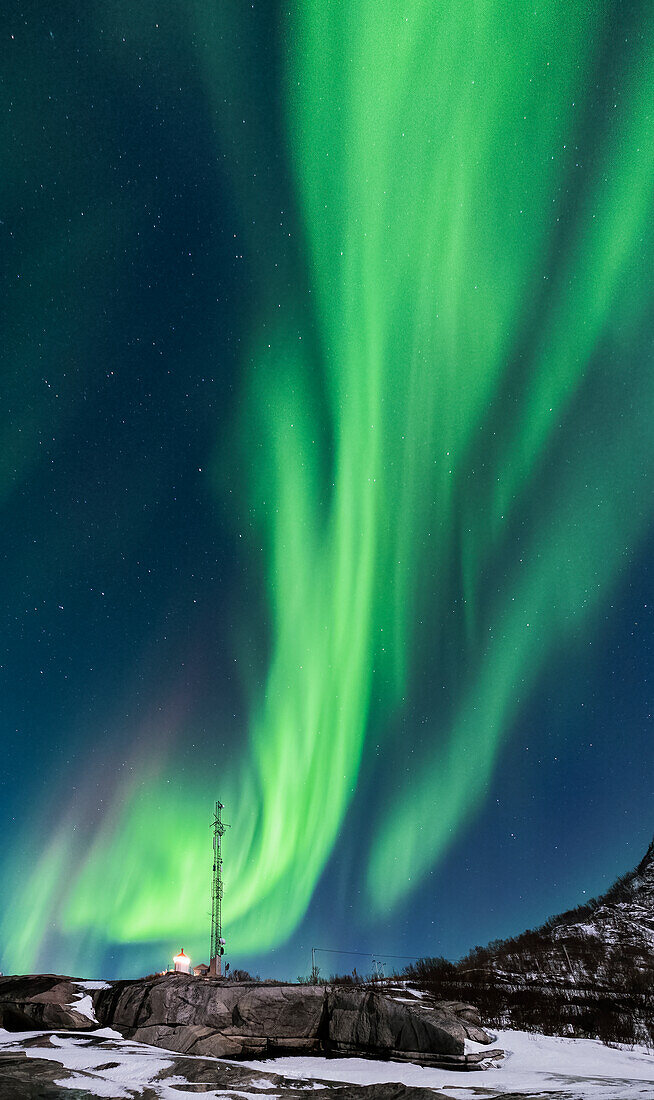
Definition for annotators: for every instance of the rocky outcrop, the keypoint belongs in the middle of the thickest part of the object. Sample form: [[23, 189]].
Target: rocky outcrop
[[251, 1020], [242, 1020], [45, 1001], [369, 1022], [227, 1020]]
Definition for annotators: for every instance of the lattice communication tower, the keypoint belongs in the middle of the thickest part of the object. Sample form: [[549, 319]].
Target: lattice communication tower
[[217, 948]]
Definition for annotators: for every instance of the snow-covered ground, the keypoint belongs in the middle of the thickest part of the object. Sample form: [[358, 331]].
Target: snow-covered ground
[[577, 1069], [135, 1066], [535, 1065]]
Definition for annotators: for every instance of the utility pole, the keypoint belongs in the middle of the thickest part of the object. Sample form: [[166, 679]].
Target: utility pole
[[217, 949], [315, 970]]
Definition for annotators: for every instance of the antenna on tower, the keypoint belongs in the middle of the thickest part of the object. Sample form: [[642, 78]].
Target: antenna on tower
[[217, 949]]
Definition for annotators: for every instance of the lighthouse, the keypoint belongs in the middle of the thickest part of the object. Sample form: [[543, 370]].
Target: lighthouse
[[182, 963]]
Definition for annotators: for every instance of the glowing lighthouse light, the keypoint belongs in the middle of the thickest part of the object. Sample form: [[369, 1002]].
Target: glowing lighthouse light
[[182, 962]]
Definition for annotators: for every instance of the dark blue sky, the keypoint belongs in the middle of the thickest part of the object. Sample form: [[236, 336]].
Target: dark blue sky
[[141, 247]]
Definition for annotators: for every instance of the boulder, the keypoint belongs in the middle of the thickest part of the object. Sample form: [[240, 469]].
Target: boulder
[[369, 1022], [469, 1018], [42, 1002], [205, 1016]]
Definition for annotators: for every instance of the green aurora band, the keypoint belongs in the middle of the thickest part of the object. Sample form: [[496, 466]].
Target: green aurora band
[[453, 396]]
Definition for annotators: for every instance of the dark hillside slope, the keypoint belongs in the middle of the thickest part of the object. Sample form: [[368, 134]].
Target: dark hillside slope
[[587, 972]]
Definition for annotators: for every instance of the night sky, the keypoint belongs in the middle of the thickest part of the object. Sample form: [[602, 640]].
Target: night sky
[[327, 473]]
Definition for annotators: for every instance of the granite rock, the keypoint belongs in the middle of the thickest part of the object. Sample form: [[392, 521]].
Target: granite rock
[[41, 1001], [220, 1019]]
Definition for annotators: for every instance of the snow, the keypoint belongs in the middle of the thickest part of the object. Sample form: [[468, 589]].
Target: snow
[[84, 1002], [581, 1068], [471, 1047], [100, 1087], [137, 1067], [572, 1069], [414, 995], [84, 1005]]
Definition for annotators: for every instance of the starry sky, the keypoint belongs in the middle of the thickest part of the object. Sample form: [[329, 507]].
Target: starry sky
[[327, 474]]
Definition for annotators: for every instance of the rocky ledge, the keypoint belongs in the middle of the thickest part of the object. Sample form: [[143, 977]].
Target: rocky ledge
[[251, 1020], [34, 1002]]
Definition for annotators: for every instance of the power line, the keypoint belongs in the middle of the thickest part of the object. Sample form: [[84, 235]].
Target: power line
[[368, 954]]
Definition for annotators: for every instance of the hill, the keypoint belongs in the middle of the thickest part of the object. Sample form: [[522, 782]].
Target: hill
[[587, 972]]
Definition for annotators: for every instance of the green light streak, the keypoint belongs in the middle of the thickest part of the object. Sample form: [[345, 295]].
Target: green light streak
[[478, 294]]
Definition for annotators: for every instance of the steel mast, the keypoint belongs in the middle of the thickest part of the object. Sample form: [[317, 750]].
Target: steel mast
[[217, 949]]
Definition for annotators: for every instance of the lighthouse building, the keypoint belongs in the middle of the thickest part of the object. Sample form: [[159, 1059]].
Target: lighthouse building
[[182, 963]]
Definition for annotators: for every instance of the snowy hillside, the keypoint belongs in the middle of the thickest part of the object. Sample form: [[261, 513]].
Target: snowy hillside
[[587, 972], [624, 915]]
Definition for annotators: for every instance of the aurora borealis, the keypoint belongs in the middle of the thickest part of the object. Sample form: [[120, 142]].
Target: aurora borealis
[[328, 473]]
